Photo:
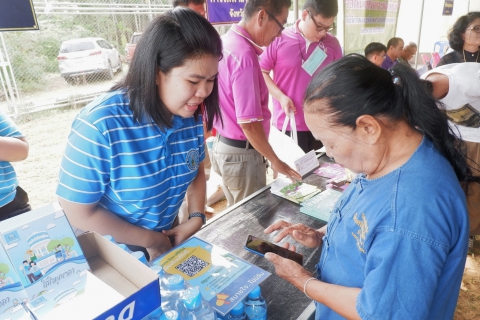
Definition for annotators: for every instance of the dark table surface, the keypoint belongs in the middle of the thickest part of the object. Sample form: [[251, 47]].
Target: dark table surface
[[252, 216]]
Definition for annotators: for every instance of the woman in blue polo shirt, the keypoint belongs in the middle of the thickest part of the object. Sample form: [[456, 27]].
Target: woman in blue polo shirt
[[396, 241], [134, 153]]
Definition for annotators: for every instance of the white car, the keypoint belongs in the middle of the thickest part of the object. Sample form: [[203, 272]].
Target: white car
[[84, 56]]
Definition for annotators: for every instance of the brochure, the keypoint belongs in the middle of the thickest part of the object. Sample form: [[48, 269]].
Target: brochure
[[222, 278], [321, 205], [297, 192]]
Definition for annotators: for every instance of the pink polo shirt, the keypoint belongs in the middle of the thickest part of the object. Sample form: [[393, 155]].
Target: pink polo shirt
[[284, 56], [243, 93]]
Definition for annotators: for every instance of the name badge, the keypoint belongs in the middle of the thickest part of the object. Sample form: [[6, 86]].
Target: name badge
[[306, 163], [314, 61]]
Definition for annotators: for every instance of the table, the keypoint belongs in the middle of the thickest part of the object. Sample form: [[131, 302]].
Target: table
[[251, 216]]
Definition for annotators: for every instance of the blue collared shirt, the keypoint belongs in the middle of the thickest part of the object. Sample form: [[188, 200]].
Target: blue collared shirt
[[133, 168], [402, 239]]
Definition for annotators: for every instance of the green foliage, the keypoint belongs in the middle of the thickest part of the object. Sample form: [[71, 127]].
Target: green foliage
[[52, 245], [4, 268], [68, 242]]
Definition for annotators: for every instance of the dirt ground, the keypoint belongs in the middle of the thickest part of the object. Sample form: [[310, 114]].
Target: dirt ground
[[47, 134]]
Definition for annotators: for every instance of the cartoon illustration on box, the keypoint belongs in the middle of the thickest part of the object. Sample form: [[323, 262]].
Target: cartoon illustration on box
[[12, 295], [46, 256]]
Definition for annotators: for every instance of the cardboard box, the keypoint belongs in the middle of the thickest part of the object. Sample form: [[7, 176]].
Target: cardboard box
[[46, 255], [13, 297], [128, 276]]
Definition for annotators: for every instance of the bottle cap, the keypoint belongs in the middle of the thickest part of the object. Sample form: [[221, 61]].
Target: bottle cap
[[158, 270], [174, 282], [109, 238], [170, 315], [124, 247], [191, 298], [140, 256], [238, 310], [255, 293]]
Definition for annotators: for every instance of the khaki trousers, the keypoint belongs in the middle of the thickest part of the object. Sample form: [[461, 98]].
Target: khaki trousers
[[243, 171], [473, 189]]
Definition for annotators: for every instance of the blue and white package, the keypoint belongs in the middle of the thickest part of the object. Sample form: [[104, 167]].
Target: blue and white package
[[45, 254], [13, 297]]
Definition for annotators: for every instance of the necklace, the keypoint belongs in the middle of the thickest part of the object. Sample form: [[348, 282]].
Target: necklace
[[465, 60]]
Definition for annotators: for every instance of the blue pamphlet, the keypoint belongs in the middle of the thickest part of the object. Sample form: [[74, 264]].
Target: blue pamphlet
[[222, 278]]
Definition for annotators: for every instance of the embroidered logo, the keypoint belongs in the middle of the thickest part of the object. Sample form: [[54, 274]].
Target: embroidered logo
[[192, 159], [361, 234]]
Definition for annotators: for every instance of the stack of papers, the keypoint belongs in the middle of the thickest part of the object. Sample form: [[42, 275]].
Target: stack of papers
[[321, 205], [297, 192]]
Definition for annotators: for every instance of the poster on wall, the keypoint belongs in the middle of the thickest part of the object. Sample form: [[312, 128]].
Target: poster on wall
[[225, 11], [369, 21], [447, 8], [17, 15]]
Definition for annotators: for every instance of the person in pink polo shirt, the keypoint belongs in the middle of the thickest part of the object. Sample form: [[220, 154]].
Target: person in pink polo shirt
[[303, 50], [241, 145]]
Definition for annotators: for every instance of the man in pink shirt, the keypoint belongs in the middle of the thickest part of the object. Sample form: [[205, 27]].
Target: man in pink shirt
[[242, 133], [302, 50]]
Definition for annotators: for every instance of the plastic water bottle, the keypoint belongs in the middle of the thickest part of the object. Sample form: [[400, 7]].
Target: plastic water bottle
[[110, 238], [237, 313], [255, 306], [170, 315], [196, 308], [171, 292], [141, 257]]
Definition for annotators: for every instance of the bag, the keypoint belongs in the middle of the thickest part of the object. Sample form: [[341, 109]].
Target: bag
[[286, 148]]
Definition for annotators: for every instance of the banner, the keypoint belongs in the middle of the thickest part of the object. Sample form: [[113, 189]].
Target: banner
[[225, 11], [369, 21], [16, 15], [447, 8]]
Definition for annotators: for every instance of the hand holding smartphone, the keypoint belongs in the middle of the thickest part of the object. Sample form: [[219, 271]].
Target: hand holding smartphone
[[260, 247]]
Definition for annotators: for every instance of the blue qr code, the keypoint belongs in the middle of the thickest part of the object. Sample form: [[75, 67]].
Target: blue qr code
[[192, 266]]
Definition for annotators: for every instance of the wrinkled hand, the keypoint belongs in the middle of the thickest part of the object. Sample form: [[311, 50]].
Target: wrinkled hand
[[161, 246], [183, 231], [283, 168], [287, 105], [308, 237], [289, 270]]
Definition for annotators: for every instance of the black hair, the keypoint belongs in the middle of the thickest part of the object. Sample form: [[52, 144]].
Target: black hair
[[168, 42], [374, 48], [273, 6], [353, 86], [185, 3], [455, 39], [393, 42], [24, 261], [325, 8]]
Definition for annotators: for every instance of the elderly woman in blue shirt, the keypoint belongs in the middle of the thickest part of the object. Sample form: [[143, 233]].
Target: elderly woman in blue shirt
[[396, 241]]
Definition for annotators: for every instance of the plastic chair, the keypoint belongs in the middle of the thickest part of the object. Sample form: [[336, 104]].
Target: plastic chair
[[435, 59], [440, 47]]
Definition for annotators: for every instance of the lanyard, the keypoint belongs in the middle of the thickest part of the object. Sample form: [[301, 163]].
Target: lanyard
[[320, 45]]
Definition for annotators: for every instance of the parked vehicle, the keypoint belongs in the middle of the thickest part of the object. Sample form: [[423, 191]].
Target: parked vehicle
[[130, 48], [85, 56]]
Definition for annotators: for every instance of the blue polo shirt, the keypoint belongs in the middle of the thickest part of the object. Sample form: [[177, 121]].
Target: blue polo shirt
[[401, 238], [137, 170], [8, 177]]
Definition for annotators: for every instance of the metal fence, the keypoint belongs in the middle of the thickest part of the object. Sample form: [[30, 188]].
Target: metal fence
[[48, 68]]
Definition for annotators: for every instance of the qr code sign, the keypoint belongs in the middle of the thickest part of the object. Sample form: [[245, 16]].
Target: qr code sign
[[192, 266]]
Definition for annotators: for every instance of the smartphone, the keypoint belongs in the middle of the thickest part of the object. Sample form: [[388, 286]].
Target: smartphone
[[260, 247]]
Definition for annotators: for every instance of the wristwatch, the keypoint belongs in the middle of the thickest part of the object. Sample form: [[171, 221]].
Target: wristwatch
[[200, 215]]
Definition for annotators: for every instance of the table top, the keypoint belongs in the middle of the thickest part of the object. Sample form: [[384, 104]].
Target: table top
[[252, 216]]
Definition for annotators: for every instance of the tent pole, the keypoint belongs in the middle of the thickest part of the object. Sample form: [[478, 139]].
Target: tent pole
[[419, 33]]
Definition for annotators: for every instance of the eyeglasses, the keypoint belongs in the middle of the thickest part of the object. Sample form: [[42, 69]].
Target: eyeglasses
[[321, 28], [274, 19], [476, 29]]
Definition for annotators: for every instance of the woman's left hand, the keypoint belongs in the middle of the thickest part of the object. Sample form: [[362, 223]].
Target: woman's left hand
[[289, 270], [183, 231]]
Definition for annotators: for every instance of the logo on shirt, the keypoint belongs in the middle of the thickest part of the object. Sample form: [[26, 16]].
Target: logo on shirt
[[361, 234], [193, 159]]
